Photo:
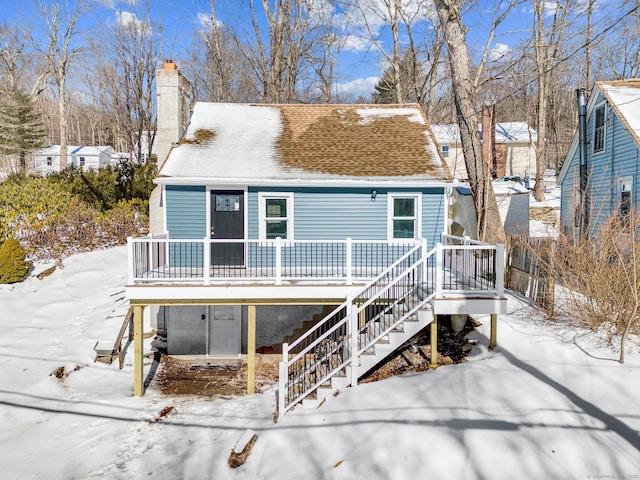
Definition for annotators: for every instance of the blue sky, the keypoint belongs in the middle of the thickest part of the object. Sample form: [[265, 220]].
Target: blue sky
[[360, 63]]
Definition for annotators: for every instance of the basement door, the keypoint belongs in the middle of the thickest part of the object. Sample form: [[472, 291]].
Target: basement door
[[227, 221], [224, 330]]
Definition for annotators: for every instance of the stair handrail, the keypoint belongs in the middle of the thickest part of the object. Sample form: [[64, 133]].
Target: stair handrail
[[349, 312], [345, 304]]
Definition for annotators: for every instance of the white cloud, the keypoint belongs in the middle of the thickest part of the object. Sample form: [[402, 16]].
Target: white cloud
[[112, 3], [130, 20], [499, 51], [356, 43], [360, 87], [206, 21]]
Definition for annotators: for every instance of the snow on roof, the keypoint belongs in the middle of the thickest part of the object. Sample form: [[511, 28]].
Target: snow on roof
[[506, 132], [624, 97], [76, 150], [240, 142]]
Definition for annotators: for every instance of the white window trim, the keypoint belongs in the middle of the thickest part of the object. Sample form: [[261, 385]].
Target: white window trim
[[602, 105], [417, 232], [262, 213], [621, 182]]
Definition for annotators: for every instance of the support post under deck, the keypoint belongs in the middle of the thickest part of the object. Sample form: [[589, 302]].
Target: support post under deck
[[138, 353], [493, 342], [251, 349], [434, 342]]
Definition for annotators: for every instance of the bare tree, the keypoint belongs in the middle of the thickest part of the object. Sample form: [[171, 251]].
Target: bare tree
[[133, 53], [548, 41], [464, 90], [278, 45], [325, 55], [217, 67], [17, 70], [61, 28]]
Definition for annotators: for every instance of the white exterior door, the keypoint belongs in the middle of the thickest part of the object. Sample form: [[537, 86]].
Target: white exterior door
[[224, 330]]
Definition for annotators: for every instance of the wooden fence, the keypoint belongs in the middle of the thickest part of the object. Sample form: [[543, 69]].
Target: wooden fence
[[530, 269]]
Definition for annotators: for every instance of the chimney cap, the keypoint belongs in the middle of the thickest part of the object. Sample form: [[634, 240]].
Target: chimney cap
[[169, 65]]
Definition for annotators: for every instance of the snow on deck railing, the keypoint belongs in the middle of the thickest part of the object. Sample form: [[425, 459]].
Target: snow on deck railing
[[164, 260]]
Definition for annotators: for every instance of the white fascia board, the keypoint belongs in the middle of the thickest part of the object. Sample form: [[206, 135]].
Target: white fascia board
[[281, 182]]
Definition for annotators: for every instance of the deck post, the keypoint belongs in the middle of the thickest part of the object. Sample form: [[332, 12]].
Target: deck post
[[138, 353], [352, 335], [466, 258], [423, 255], [493, 340], [434, 342], [349, 260], [130, 258], [439, 269], [283, 379], [500, 268], [251, 349], [206, 261], [278, 261]]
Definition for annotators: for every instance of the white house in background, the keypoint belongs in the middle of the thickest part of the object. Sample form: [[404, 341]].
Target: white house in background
[[145, 138], [515, 148], [47, 159]]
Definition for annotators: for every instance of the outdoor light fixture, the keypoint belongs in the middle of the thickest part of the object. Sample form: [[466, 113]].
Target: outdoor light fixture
[[374, 194]]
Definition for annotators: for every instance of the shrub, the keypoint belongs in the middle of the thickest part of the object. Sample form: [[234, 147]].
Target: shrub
[[13, 266]]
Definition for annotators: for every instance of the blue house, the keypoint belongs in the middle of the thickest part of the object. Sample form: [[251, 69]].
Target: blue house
[[607, 183], [315, 233]]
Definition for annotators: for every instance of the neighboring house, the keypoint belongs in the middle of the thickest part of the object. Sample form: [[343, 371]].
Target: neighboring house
[[47, 160], [144, 147], [271, 215], [611, 152], [515, 149]]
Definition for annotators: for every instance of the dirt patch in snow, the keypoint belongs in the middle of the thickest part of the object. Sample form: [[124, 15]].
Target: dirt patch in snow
[[211, 379], [214, 378]]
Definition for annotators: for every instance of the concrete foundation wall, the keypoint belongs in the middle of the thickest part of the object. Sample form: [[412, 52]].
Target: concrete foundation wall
[[186, 327], [186, 330], [273, 323]]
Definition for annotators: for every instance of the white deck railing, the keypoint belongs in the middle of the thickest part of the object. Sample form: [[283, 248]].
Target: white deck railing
[[208, 261], [461, 265]]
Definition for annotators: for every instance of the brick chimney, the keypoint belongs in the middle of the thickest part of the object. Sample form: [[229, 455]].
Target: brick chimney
[[173, 108], [489, 136]]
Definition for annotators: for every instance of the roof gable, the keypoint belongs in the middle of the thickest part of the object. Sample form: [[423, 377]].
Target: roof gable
[[624, 98], [306, 142]]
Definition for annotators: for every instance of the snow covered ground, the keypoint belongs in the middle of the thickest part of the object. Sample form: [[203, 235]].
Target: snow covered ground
[[550, 402]]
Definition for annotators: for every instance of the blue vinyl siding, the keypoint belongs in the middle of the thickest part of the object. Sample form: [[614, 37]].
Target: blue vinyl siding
[[619, 159], [186, 212], [332, 214]]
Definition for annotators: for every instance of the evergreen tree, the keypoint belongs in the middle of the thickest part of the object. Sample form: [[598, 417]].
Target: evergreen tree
[[21, 128]]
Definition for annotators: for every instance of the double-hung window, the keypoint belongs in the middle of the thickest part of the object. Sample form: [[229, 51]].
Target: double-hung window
[[624, 196], [276, 216], [404, 216], [445, 151], [599, 129]]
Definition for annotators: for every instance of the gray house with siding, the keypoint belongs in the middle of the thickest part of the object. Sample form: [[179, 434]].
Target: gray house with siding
[[315, 233], [611, 159]]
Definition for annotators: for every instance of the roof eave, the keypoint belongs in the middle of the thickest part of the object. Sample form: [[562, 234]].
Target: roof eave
[[278, 182]]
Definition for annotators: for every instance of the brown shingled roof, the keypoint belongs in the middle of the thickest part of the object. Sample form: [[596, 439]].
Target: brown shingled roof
[[339, 140]]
